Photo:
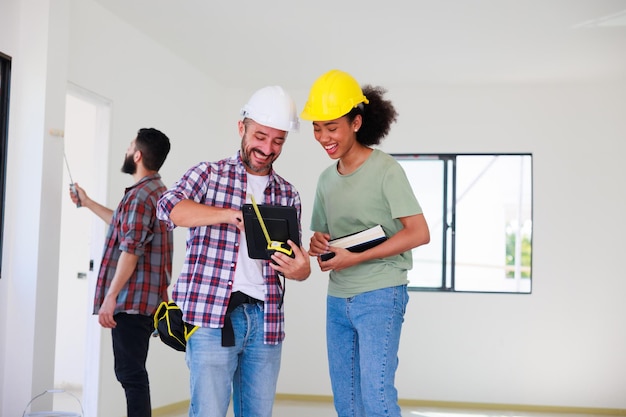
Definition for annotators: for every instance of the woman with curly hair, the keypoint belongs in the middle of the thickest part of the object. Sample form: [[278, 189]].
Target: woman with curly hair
[[367, 291]]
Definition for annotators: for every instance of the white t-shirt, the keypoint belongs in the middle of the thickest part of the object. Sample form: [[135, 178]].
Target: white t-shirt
[[249, 272]]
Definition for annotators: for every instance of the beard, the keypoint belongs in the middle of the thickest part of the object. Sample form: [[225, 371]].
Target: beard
[[129, 166], [246, 157]]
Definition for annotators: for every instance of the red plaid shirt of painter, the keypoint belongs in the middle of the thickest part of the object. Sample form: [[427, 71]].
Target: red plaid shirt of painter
[[135, 229]]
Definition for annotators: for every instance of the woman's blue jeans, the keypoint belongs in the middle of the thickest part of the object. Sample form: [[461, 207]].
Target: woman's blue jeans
[[362, 337], [248, 370]]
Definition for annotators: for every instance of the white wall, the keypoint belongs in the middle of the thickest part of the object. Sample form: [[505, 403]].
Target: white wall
[[562, 345], [34, 35]]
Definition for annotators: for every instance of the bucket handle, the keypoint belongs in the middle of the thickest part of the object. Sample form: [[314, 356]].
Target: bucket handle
[[54, 391]]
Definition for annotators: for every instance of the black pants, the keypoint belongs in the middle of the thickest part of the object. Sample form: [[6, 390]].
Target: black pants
[[131, 337]]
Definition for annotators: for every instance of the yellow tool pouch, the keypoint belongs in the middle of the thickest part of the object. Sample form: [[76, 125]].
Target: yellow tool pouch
[[170, 327]]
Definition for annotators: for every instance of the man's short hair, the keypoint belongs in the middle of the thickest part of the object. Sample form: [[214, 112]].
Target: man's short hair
[[154, 147]]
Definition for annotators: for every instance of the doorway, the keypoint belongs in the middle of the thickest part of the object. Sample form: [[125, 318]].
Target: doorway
[[77, 354]]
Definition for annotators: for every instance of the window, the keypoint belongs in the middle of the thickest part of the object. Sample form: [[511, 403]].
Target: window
[[479, 211], [5, 82]]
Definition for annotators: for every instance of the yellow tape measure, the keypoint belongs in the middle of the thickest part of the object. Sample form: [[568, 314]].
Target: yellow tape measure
[[272, 245]]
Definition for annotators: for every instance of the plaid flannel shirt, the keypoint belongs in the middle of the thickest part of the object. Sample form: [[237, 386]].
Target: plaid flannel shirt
[[135, 229], [203, 288]]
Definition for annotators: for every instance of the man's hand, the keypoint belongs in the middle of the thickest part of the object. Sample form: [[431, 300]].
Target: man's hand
[[105, 314], [297, 268], [236, 218], [78, 195]]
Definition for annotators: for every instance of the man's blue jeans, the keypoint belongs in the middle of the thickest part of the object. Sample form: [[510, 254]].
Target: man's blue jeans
[[131, 338], [363, 336], [249, 369]]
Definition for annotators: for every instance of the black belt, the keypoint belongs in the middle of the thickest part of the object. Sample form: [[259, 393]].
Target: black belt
[[236, 299]]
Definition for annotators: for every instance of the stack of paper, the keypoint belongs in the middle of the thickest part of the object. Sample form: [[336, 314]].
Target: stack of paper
[[357, 242]]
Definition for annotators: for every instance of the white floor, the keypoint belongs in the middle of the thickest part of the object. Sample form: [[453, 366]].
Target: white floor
[[285, 408], [293, 408]]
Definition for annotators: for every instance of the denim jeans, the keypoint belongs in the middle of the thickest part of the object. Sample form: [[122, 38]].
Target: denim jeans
[[248, 370], [362, 337], [131, 337]]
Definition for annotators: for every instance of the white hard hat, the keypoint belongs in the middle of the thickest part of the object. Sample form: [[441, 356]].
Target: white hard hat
[[272, 107]]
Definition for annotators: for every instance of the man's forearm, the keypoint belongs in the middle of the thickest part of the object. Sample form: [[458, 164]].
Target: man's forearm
[[99, 210]]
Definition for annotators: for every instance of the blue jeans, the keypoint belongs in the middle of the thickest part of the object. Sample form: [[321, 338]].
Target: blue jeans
[[131, 337], [248, 370], [362, 337]]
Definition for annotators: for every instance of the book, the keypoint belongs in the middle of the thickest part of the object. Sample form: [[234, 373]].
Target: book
[[357, 242]]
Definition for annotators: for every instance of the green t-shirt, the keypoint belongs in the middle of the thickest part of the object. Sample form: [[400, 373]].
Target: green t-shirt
[[378, 192]]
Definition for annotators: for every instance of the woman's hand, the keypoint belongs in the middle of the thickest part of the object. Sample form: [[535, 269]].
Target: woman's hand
[[319, 244]]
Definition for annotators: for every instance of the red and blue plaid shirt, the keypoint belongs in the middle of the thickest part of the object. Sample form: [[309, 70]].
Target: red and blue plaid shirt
[[135, 229], [203, 288]]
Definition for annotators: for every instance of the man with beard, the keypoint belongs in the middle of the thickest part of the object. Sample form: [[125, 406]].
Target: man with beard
[[136, 265], [235, 300]]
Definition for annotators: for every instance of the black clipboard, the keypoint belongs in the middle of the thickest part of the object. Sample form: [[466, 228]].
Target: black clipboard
[[281, 223]]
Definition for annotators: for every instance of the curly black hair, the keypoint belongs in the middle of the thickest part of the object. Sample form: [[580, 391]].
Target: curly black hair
[[377, 116]]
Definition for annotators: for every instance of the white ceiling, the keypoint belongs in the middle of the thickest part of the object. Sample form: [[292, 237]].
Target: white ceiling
[[404, 42]]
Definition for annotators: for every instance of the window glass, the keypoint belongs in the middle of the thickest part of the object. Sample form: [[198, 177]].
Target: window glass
[[479, 210]]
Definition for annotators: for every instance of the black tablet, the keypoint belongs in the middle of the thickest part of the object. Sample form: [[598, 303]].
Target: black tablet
[[281, 223]]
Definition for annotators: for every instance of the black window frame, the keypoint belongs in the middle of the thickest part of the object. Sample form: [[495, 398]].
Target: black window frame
[[5, 88]]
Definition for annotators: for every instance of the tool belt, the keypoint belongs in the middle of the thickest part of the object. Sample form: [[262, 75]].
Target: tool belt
[[236, 299]]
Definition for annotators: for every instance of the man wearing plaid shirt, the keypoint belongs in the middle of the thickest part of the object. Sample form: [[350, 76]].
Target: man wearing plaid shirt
[[234, 299], [136, 265]]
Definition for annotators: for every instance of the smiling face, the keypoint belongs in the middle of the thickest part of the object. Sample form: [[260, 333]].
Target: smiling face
[[337, 136], [260, 146]]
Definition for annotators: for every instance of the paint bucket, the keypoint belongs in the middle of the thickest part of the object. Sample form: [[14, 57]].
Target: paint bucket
[[53, 413]]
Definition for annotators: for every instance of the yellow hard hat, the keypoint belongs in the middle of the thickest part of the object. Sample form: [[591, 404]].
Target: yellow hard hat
[[332, 95]]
